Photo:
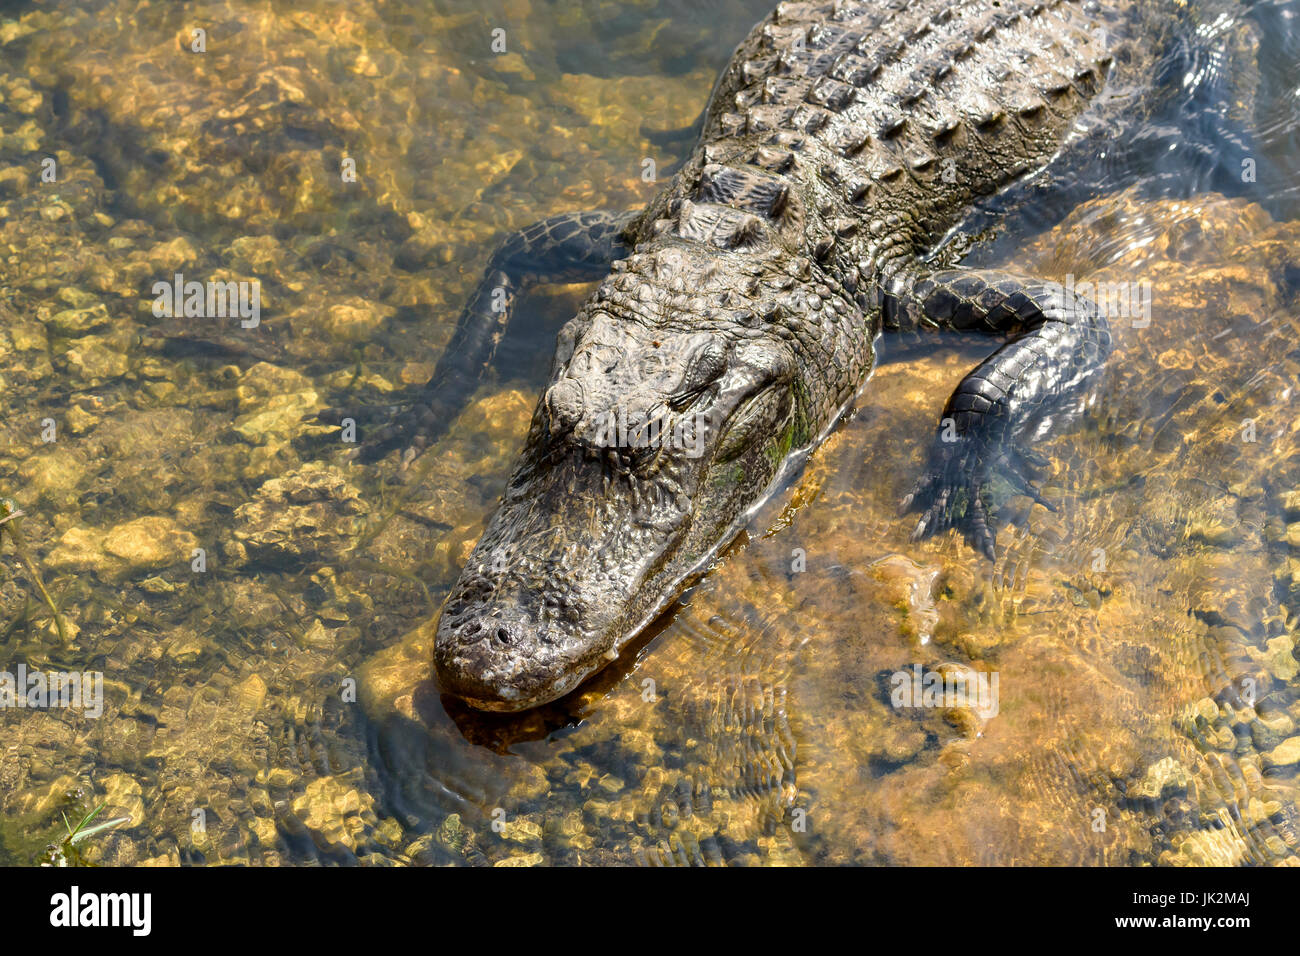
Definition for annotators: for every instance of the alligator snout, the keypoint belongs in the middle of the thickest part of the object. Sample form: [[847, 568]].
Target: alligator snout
[[503, 658], [565, 572], [506, 633]]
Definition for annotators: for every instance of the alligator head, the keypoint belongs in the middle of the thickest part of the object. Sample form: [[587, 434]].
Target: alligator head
[[645, 452]]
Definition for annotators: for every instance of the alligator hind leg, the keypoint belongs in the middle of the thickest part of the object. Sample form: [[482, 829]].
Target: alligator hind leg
[[1059, 341], [572, 247]]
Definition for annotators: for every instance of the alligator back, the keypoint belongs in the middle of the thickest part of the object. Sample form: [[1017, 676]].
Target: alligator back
[[911, 109], [844, 138]]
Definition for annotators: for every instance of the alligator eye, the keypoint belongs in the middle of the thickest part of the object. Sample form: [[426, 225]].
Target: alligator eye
[[707, 366], [684, 400]]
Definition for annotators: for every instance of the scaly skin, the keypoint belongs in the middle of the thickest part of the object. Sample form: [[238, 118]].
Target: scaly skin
[[840, 144]]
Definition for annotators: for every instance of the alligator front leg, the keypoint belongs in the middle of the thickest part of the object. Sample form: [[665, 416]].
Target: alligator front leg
[[1060, 340], [572, 247]]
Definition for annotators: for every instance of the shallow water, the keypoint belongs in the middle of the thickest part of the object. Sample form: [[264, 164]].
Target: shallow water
[[276, 708]]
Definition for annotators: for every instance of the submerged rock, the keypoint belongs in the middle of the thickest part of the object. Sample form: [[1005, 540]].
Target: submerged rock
[[1164, 779], [126, 550], [335, 811], [1285, 755], [312, 514]]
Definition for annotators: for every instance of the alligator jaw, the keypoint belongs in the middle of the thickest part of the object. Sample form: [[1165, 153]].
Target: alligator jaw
[[542, 602]]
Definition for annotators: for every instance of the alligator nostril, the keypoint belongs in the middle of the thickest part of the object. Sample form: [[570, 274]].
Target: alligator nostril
[[503, 635], [471, 632]]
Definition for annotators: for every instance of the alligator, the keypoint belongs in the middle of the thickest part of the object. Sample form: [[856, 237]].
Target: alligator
[[737, 316]]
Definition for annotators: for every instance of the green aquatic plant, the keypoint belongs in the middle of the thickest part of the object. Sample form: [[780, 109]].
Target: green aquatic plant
[[67, 852], [10, 515]]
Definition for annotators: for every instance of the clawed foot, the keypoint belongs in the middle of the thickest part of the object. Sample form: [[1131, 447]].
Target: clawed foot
[[957, 490]]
